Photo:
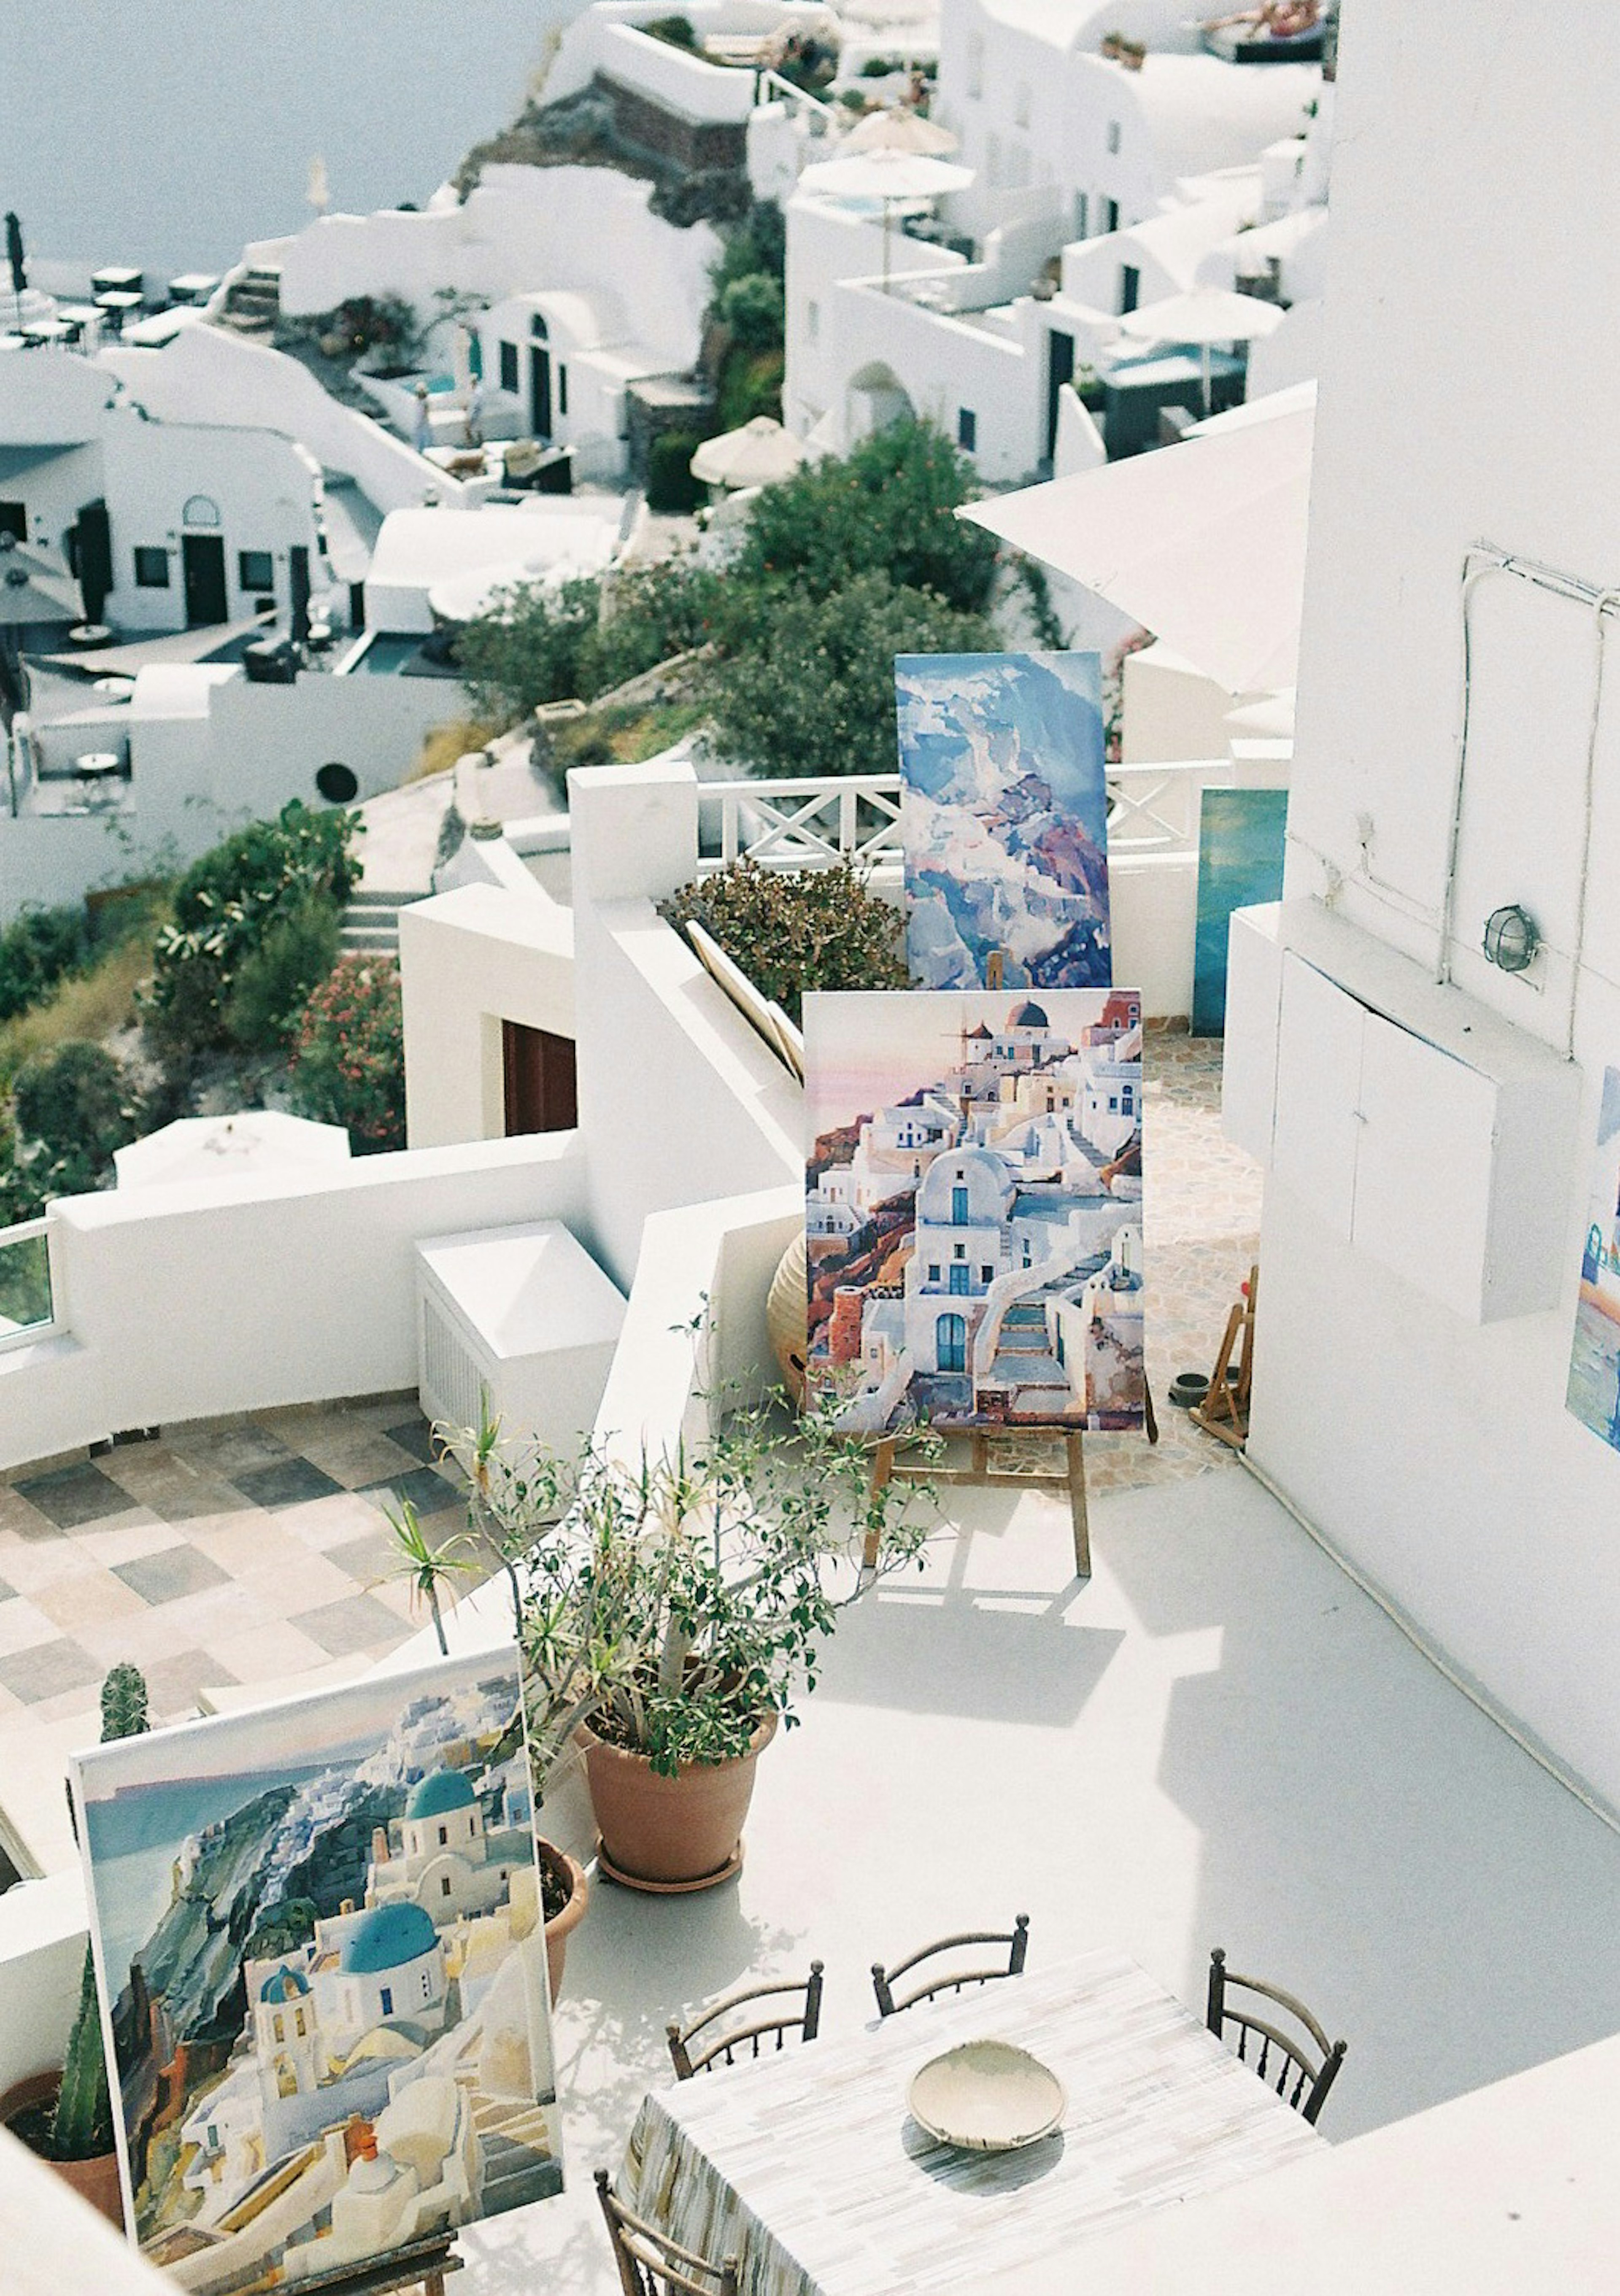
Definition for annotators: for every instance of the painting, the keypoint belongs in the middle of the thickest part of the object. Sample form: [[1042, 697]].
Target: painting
[[1240, 854], [1593, 1393], [318, 1940], [974, 1208], [1004, 819]]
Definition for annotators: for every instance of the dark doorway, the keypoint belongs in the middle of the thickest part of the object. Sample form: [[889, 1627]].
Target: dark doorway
[[14, 520], [202, 556], [1060, 369], [1130, 288], [539, 380], [541, 1092]]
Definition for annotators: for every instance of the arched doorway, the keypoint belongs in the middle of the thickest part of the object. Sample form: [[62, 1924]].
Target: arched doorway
[[875, 397], [539, 379]]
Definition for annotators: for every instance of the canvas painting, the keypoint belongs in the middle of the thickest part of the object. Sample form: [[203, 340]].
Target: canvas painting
[[1593, 1393], [1241, 834], [318, 1931], [974, 1208], [1004, 819]]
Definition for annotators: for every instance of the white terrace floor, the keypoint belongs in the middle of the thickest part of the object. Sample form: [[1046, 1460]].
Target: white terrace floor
[[1219, 1740]]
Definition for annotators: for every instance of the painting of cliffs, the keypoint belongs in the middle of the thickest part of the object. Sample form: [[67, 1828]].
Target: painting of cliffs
[[1004, 814]]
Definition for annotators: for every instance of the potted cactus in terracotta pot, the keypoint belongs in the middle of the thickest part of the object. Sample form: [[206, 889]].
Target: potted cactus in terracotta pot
[[67, 2116], [670, 1608]]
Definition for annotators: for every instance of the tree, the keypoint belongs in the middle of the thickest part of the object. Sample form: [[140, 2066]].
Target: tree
[[804, 684], [752, 308], [525, 649], [73, 1107], [890, 505]]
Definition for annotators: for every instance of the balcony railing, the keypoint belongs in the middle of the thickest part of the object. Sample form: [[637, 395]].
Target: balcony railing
[[1152, 811], [27, 1301]]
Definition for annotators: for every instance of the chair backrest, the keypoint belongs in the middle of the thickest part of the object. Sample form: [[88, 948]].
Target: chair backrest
[[800, 2012], [1301, 2068], [951, 1980], [650, 2263]]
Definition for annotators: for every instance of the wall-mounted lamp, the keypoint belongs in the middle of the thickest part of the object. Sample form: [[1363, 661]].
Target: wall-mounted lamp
[[1511, 940]]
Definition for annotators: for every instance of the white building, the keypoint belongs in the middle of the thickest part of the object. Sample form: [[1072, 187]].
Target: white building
[[446, 1863]]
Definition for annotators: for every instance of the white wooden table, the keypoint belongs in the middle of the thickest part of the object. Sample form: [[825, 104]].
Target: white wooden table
[[807, 2167]]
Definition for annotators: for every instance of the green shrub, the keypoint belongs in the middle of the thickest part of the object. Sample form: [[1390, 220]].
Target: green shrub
[[348, 1066], [73, 1106], [756, 242], [753, 310], [274, 981], [225, 904], [798, 928], [675, 29], [37, 949], [804, 685], [750, 384], [526, 649], [651, 612], [670, 485], [891, 505]]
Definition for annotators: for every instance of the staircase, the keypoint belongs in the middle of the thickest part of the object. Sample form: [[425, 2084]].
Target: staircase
[[518, 2163], [371, 922], [252, 303]]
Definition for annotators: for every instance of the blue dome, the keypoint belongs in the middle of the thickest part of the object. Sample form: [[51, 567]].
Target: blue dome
[[386, 1937], [283, 1985], [1029, 1016], [440, 1790]]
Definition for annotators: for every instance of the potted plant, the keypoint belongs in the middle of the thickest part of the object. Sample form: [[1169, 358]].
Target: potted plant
[[669, 1609], [67, 2116], [564, 1894]]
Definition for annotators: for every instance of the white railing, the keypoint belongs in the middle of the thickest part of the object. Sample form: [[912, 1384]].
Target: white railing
[[28, 1306], [807, 824], [771, 86]]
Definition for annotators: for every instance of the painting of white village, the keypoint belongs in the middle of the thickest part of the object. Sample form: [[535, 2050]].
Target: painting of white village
[[972, 1209], [1004, 815], [318, 1931]]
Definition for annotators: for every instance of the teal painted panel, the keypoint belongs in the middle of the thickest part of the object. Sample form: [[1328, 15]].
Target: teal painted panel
[[1240, 851]]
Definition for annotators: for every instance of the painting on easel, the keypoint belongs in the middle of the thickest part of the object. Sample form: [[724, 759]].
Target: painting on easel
[[974, 1209], [1593, 1393], [318, 1931], [1004, 819]]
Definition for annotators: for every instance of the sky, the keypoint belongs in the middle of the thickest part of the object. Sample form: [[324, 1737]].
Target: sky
[[867, 1049]]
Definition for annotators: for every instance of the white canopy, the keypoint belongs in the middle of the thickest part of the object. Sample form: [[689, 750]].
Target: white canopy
[[1204, 315], [1204, 542], [757, 456], [229, 1148], [895, 129], [885, 174]]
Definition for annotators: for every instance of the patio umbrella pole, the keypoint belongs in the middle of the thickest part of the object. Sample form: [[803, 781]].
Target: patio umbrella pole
[[885, 247]]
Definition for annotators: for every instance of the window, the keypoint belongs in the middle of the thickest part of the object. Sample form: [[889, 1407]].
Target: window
[[1110, 215], [1130, 287], [200, 510], [987, 1274], [562, 391], [299, 2026], [336, 782], [967, 429], [1082, 208], [1113, 135], [509, 367], [256, 570], [444, 1885], [934, 1271], [812, 321], [152, 569], [388, 2001], [279, 2027], [959, 1276], [975, 65], [959, 1207], [427, 1986], [958, 1251], [444, 1835], [14, 520], [1021, 103]]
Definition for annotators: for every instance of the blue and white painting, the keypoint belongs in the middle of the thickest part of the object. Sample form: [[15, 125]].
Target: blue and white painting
[[1593, 1393], [1004, 818]]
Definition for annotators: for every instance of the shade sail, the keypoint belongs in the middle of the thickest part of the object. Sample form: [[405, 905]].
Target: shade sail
[[1203, 543]]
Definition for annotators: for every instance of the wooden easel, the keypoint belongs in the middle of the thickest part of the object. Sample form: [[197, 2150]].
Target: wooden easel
[[1224, 1412], [981, 1475], [423, 2265]]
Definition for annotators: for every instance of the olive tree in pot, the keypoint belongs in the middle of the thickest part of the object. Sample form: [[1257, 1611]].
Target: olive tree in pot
[[670, 1608], [67, 2116]]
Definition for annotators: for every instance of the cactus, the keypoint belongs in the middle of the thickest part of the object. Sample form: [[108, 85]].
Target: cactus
[[81, 2128]]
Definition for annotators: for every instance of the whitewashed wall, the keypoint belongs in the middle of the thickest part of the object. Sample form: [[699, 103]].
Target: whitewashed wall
[[468, 960], [1438, 1454]]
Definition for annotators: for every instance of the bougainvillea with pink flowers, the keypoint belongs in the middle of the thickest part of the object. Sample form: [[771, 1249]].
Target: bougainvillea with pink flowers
[[348, 1062]]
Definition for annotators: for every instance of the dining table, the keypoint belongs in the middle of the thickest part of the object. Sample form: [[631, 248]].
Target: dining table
[[808, 2168]]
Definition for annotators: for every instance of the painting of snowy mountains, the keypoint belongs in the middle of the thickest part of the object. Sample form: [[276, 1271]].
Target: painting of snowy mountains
[[1003, 813]]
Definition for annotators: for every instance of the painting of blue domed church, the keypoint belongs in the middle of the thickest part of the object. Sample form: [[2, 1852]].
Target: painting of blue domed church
[[974, 1209], [1004, 819], [319, 1937]]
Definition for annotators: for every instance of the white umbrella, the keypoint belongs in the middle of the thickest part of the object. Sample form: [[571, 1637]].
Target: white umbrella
[[1203, 317], [230, 1148], [895, 129], [886, 175], [886, 12], [757, 456], [1203, 543]]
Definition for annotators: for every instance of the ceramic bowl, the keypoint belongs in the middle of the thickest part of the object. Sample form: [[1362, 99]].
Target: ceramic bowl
[[986, 2096]]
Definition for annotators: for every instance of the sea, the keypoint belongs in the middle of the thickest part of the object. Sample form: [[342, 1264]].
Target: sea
[[167, 133]]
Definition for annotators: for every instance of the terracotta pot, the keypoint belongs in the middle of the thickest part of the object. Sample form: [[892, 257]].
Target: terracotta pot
[[683, 1832], [95, 2181], [561, 1926]]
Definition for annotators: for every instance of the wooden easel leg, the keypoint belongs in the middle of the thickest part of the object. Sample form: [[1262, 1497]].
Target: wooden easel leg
[[433, 2285], [1074, 1445], [882, 1473], [1149, 1417]]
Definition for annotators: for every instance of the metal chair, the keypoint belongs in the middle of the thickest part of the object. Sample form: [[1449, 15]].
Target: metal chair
[[951, 1980], [1282, 2060], [724, 2046], [650, 2263]]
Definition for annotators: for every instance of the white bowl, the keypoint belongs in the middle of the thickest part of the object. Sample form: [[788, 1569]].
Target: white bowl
[[987, 2096]]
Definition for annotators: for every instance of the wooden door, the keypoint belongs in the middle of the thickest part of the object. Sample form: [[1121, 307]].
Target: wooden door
[[538, 1074], [202, 557]]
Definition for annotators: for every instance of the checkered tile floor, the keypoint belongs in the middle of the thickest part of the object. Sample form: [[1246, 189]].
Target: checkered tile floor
[[224, 1552]]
